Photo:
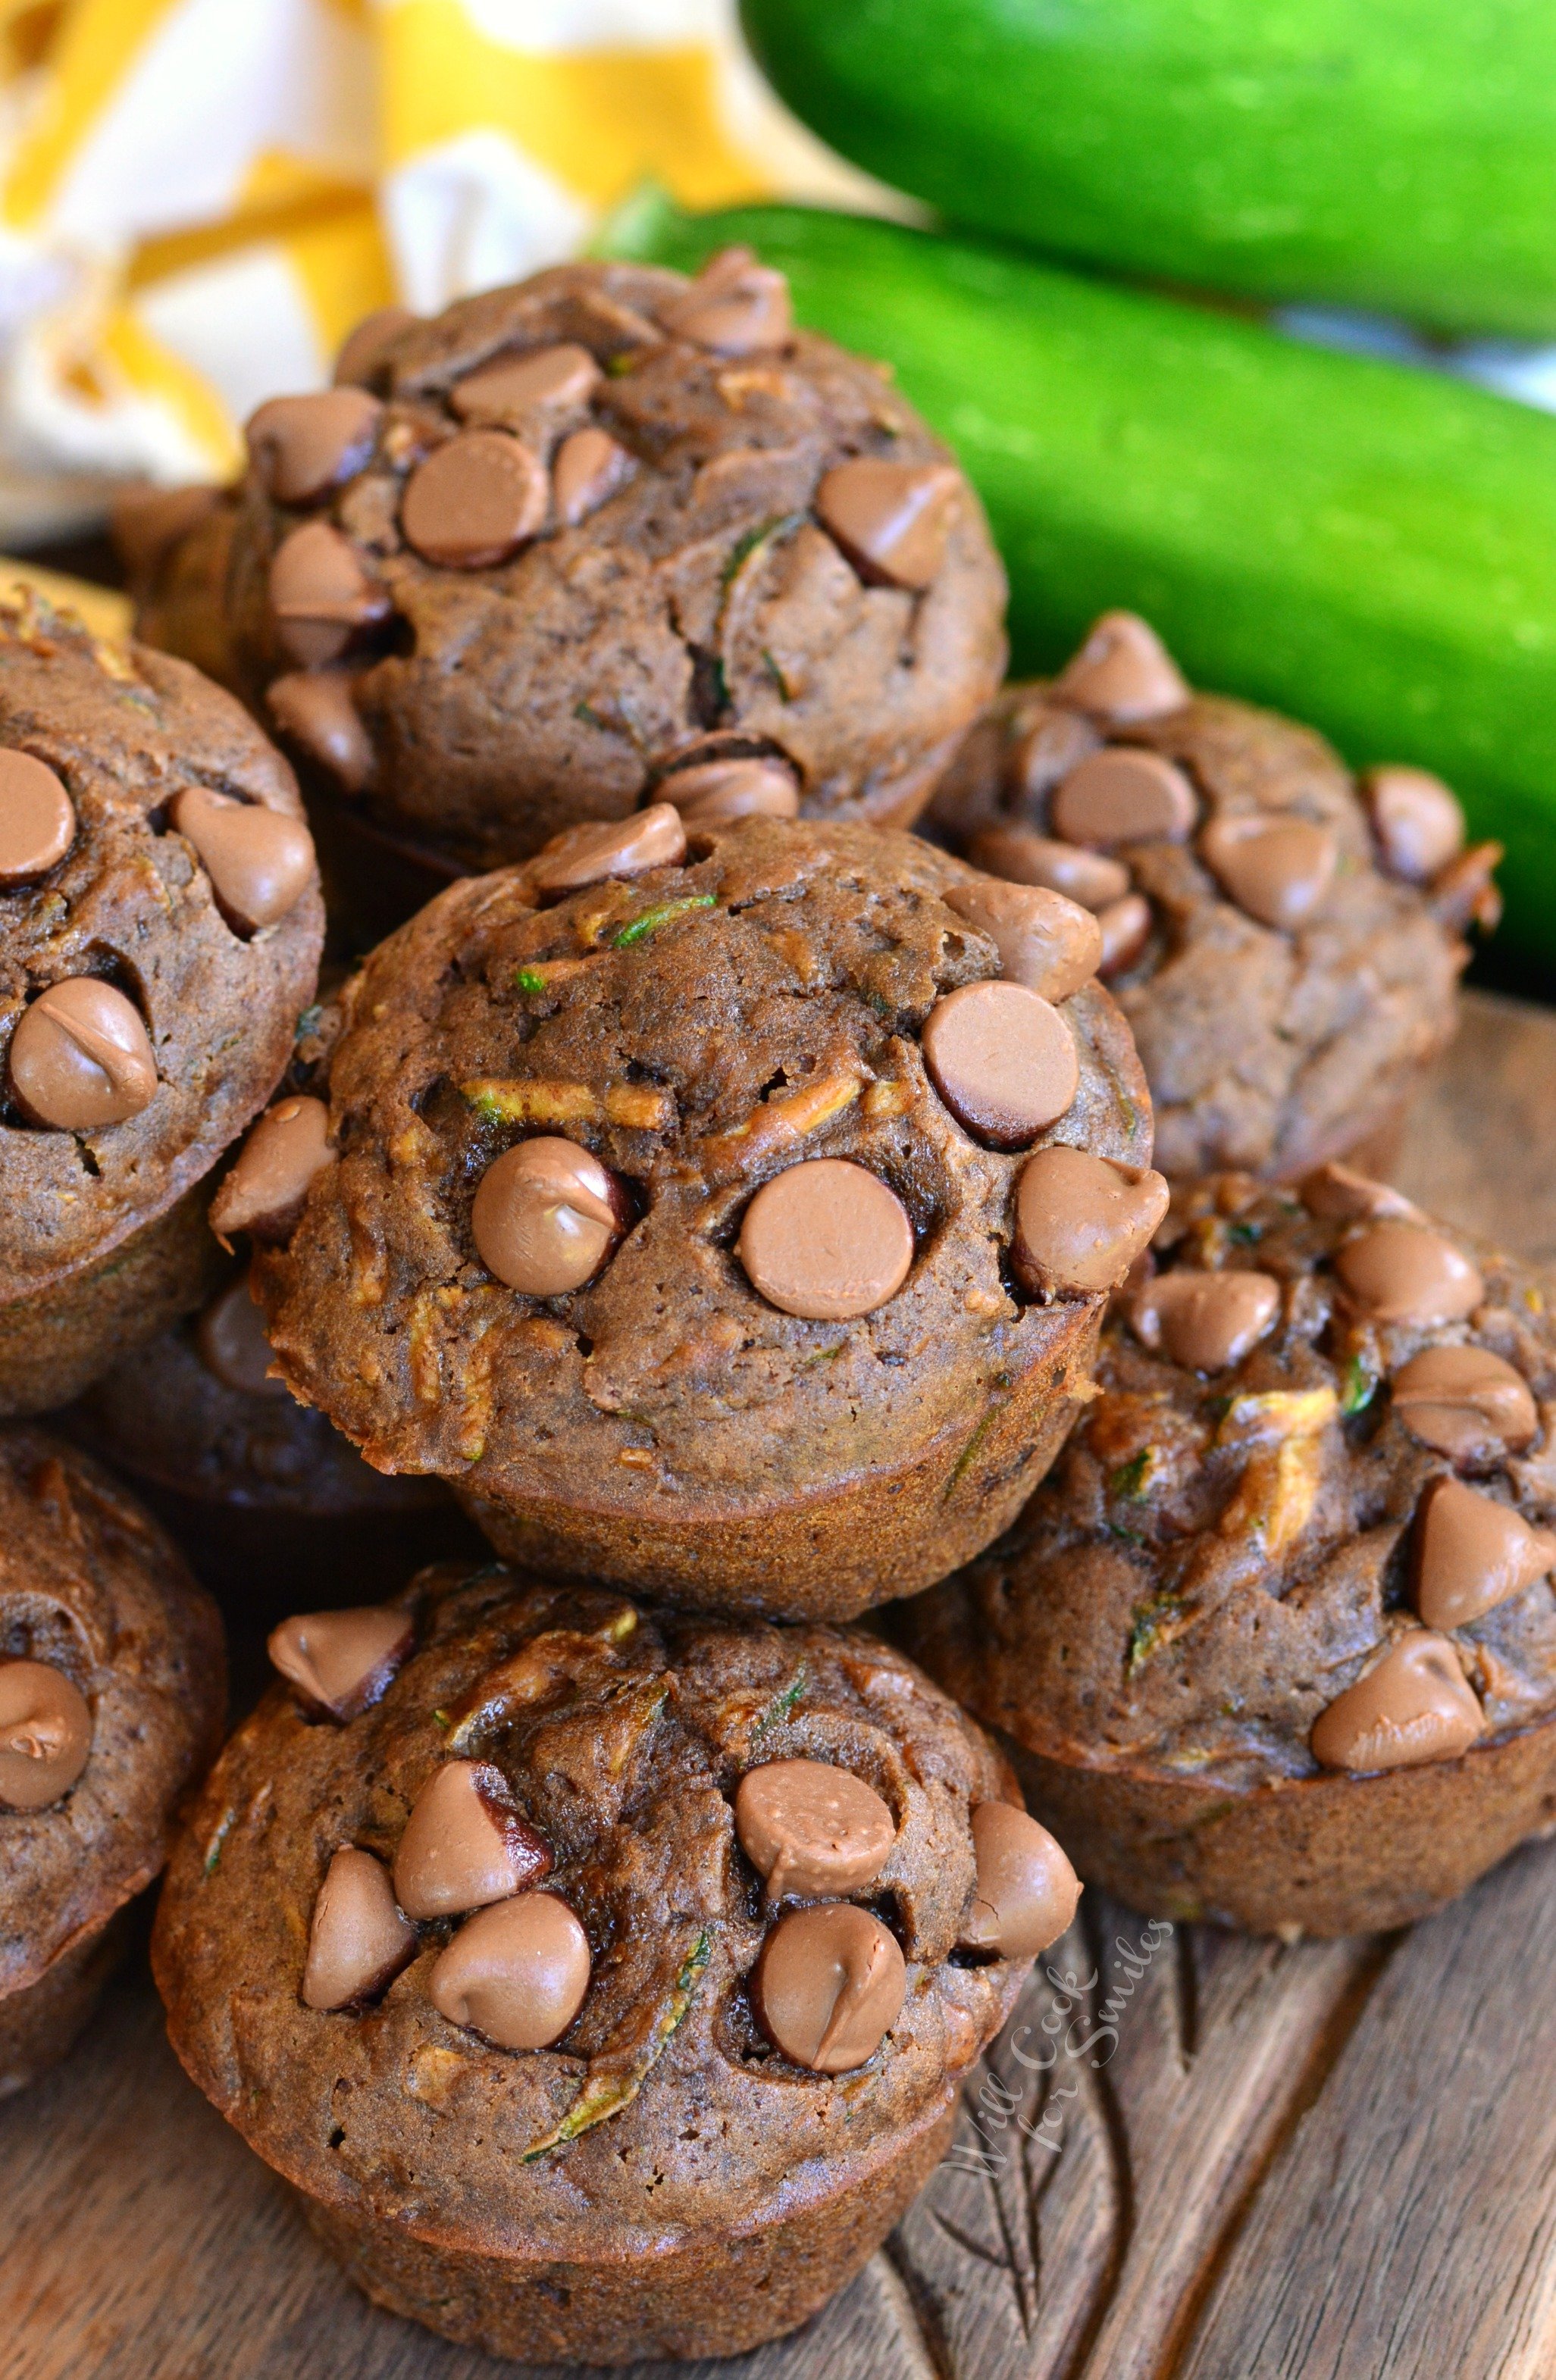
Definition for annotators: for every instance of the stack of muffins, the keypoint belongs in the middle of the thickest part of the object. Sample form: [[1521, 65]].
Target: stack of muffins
[[710, 1213]]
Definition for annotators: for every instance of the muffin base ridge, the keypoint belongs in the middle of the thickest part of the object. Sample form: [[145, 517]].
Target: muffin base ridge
[[39, 2025]]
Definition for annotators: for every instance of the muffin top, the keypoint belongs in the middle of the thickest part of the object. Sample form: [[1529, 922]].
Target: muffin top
[[1284, 940], [571, 535], [1304, 1525], [738, 1078], [159, 931], [486, 1922], [113, 1689]]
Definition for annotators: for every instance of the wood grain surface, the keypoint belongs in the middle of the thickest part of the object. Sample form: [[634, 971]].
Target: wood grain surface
[[1192, 2156]]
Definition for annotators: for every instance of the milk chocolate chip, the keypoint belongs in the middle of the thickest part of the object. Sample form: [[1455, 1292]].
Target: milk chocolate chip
[[1469, 1553], [1126, 929], [266, 1190], [590, 466], [1415, 1705], [1418, 825], [37, 820], [80, 1058], [230, 1341], [45, 1735], [1278, 870], [1046, 943], [1081, 1220], [549, 379], [1123, 673], [826, 1240], [1002, 1059], [735, 306], [891, 519], [260, 861], [319, 594], [810, 1828], [358, 1941], [475, 501], [713, 793], [1465, 1402], [517, 1973], [1338, 1195], [1402, 1272], [315, 707], [303, 446], [1026, 1893], [365, 349], [546, 1216], [1465, 894], [604, 847], [466, 1843], [828, 1986], [1021, 855], [1124, 796], [1205, 1320], [341, 1662]]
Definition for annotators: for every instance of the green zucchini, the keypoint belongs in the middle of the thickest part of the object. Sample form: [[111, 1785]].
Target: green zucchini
[[1360, 544], [1397, 154]]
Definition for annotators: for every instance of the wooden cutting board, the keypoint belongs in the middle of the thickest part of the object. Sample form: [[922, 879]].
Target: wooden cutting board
[[1245, 2161]]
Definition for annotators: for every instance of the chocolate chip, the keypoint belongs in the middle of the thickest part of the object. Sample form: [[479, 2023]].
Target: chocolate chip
[[1123, 673], [475, 501], [1126, 927], [146, 523], [1415, 1705], [1205, 1320], [37, 819], [315, 709], [1465, 1402], [546, 1217], [517, 1973], [1046, 943], [828, 1986], [230, 1341], [358, 1941], [1278, 870], [826, 1240], [808, 1827], [267, 1189], [301, 447], [548, 379], [1122, 796], [1465, 895], [80, 1058], [260, 861], [1470, 1553], [341, 1662], [891, 519], [1418, 824], [589, 467], [467, 1842], [1020, 855], [319, 594], [1002, 1059], [1402, 1272], [735, 306], [1336, 1194], [365, 349], [605, 847], [45, 1735], [1046, 748], [1025, 1892], [714, 793], [1081, 1220]]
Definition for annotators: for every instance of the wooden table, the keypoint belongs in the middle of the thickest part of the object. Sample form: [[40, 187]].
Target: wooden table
[[1336, 2160]]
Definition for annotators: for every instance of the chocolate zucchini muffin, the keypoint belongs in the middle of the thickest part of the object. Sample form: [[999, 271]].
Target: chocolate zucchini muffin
[[174, 545], [720, 1221], [607, 536], [1276, 1642], [159, 930], [267, 1500], [1285, 941], [113, 1688], [603, 1980]]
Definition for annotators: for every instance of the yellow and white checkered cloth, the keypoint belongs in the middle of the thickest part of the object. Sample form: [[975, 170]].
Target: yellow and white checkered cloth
[[198, 198]]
